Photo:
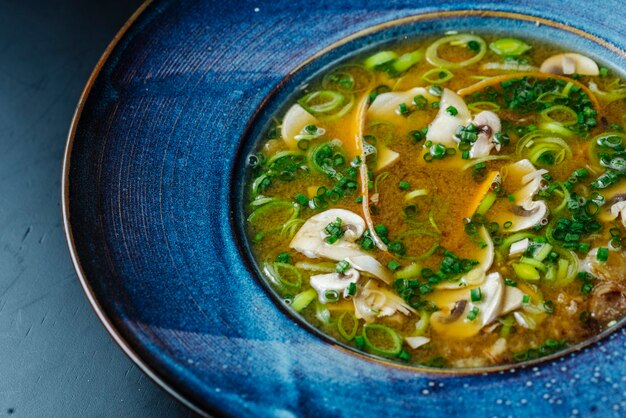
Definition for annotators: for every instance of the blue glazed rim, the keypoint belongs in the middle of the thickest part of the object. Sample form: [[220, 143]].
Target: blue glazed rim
[[150, 359]]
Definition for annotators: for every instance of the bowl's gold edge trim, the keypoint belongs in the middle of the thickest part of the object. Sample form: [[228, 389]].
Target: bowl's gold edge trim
[[119, 340], [95, 305]]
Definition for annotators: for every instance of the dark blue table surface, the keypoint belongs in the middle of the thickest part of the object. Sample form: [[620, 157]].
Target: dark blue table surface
[[55, 357]]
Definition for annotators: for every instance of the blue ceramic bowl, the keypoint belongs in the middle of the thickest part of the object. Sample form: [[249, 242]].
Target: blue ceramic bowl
[[152, 202]]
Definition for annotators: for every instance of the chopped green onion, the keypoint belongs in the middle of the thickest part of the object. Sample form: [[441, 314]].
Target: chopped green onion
[[437, 76], [347, 325], [603, 254], [510, 282], [404, 185], [509, 47], [303, 299], [473, 313], [393, 265], [342, 267], [476, 294], [379, 59], [475, 43], [526, 272], [406, 61], [452, 111], [381, 340]]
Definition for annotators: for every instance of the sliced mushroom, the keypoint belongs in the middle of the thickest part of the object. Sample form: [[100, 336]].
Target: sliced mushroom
[[371, 265], [455, 313], [489, 125], [613, 207], [518, 248], [310, 238], [334, 282], [451, 320], [513, 299], [608, 302], [609, 270], [294, 122], [618, 209], [386, 105], [493, 298], [373, 301], [524, 212], [443, 128], [416, 342], [570, 63], [310, 241]]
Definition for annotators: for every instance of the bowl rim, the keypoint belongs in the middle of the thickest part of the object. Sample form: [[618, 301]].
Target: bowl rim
[[162, 379]]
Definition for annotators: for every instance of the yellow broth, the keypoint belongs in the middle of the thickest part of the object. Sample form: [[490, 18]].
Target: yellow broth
[[564, 314]]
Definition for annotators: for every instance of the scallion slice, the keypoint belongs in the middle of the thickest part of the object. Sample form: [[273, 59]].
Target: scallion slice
[[381, 340]]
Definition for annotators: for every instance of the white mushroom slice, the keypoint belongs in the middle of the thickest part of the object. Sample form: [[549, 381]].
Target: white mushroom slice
[[477, 275], [373, 301], [614, 197], [513, 299], [443, 128], [416, 342], [570, 63], [488, 124], [452, 321], [335, 282], [310, 238], [492, 300], [370, 265], [294, 122], [524, 212], [611, 270], [518, 248], [386, 105], [619, 209], [524, 320]]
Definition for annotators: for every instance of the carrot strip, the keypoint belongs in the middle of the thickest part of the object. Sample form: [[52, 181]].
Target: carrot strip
[[505, 77]]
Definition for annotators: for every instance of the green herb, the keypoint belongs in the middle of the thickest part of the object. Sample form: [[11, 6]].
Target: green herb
[[283, 258], [603, 254], [548, 306], [302, 200], [452, 111], [334, 231], [474, 46], [351, 290], [342, 267], [473, 313], [404, 185], [381, 230], [510, 282], [393, 265], [476, 294], [403, 109]]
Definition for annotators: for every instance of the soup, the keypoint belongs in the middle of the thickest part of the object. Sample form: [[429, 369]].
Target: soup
[[453, 202]]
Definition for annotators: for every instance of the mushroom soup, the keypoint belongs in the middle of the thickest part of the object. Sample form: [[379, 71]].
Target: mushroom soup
[[458, 202]]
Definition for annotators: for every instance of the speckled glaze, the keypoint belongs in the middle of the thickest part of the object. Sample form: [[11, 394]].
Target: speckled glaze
[[152, 205]]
